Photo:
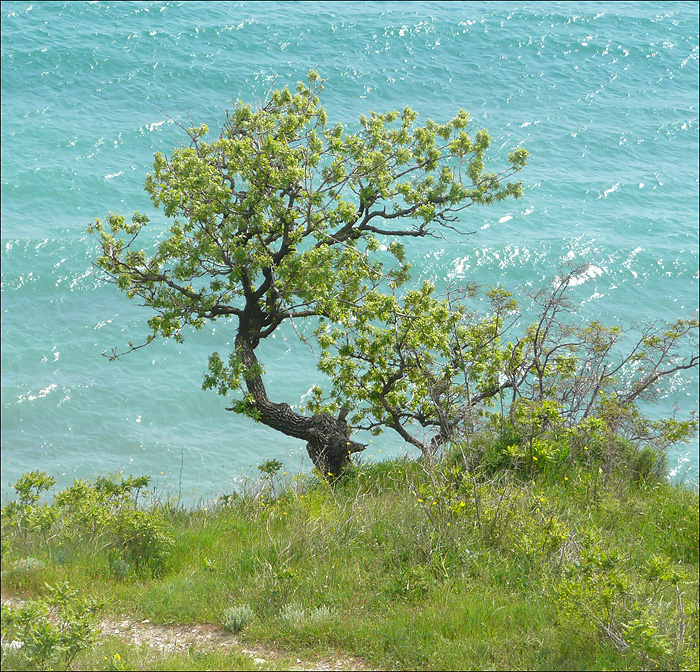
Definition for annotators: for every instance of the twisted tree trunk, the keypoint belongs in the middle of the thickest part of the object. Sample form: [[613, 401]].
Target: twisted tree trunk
[[327, 438]]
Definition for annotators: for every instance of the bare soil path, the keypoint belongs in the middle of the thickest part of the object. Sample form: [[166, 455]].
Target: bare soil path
[[180, 638]]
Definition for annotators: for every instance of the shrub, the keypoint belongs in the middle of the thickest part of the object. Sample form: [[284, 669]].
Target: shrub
[[649, 465], [142, 538], [236, 618], [28, 566], [296, 616], [27, 573], [293, 614], [49, 631], [105, 515]]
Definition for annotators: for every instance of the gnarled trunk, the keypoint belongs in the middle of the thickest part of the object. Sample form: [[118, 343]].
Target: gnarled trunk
[[327, 438], [329, 445]]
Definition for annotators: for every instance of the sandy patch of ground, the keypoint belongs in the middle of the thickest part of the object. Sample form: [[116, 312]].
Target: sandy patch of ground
[[174, 638]]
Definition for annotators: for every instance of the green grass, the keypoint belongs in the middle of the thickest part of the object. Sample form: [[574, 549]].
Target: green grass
[[403, 567]]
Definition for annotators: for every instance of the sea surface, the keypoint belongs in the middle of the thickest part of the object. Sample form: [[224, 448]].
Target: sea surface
[[603, 95]]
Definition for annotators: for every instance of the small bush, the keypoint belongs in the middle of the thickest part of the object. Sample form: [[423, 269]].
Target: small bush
[[293, 614], [50, 631], [26, 573], [119, 568], [143, 538], [105, 515], [649, 465], [321, 614], [296, 616], [236, 618], [28, 566]]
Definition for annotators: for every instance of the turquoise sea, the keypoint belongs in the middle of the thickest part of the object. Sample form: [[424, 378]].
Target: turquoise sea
[[603, 95]]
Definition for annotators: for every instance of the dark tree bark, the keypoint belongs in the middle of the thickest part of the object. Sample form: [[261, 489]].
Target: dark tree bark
[[327, 438]]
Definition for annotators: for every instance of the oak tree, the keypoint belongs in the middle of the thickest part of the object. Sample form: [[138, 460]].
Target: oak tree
[[284, 217]]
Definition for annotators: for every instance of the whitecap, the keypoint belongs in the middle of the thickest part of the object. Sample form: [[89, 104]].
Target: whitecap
[[41, 393], [591, 272], [609, 191], [460, 266], [593, 297], [681, 462], [156, 124]]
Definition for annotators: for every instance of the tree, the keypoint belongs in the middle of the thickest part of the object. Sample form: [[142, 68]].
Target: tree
[[281, 219], [286, 219], [431, 368]]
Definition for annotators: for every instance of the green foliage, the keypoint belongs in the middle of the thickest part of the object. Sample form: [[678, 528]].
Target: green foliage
[[649, 465], [25, 515], [30, 486], [141, 538], [298, 618], [627, 609], [50, 631], [427, 364], [438, 564], [104, 515], [284, 216], [27, 573], [270, 467], [236, 618], [108, 513]]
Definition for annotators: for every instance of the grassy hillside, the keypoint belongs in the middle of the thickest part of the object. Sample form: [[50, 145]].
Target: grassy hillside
[[585, 563]]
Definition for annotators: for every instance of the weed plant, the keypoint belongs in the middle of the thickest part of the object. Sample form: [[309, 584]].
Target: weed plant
[[236, 618]]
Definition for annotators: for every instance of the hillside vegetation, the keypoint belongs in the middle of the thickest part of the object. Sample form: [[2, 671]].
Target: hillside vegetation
[[580, 556]]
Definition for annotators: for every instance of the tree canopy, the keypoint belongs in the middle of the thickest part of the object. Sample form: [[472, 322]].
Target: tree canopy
[[285, 218]]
